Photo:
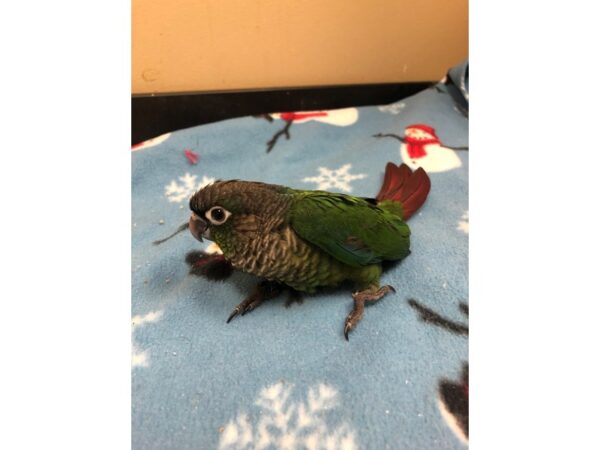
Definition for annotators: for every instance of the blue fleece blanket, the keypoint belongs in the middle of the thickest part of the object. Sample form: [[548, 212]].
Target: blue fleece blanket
[[286, 378]]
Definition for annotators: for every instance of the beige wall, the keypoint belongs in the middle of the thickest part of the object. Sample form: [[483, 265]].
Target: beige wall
[[208, 45]]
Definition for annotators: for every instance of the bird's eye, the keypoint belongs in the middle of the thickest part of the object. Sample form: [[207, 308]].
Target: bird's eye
[[217, 215]]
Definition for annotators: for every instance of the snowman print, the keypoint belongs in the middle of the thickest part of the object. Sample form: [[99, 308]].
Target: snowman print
[[420, 147]]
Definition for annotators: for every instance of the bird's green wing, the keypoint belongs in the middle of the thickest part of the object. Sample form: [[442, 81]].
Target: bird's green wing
[[350, 229]]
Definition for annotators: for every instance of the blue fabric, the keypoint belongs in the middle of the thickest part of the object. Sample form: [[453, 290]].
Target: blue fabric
[[279, 377]]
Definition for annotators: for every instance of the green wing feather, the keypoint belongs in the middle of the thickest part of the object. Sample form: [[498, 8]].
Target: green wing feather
[[350, 229]]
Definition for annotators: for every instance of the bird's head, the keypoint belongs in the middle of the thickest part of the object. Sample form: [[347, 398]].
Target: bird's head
[[224, 209]]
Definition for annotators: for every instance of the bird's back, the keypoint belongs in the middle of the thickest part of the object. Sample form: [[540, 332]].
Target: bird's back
[[353, 230]]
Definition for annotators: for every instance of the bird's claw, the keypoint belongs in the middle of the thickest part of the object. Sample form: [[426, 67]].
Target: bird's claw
[[351, 322], [234, 313], [347, 328], [247, 309], [263, 291], [243, 308]]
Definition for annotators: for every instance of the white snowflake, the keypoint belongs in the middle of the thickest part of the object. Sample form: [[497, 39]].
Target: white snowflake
[[463, 225], [339, 178], [393, 108], [176, 192], [141, 358], [286, 424]]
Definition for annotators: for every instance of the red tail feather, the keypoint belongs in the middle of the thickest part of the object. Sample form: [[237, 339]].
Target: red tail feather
[[402, 185]]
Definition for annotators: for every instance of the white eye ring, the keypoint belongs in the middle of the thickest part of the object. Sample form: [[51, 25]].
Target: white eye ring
[[217, 215]]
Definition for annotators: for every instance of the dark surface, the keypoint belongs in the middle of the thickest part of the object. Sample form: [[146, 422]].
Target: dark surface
[[155, 115]]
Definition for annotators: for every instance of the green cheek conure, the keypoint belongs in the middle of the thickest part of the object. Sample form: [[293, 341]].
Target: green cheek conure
[[310, 239]]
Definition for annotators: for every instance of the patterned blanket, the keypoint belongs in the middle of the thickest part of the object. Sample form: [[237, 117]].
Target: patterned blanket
[[285, 377]]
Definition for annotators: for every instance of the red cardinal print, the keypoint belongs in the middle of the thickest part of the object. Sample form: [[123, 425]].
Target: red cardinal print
[[336, 117]]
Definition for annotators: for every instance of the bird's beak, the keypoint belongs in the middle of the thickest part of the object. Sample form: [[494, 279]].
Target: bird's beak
[[198, 227]]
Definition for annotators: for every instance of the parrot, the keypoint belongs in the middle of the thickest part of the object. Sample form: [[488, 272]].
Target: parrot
[[305, 239], [310, 239]]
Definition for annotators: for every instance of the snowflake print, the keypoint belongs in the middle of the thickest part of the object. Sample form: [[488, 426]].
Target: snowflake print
[[176, 192], [393, 108], [463, 225], [339, 178], [140, 358], [287, 424]]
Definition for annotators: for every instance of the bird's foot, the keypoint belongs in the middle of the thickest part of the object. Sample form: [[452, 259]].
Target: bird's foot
[[265, 290], [360, 298]]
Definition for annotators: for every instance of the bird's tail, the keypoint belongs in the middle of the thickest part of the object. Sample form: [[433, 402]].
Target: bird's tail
[[400, 184]]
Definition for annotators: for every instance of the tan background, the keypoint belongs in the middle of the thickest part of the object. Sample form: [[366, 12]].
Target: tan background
[[214, 45]]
